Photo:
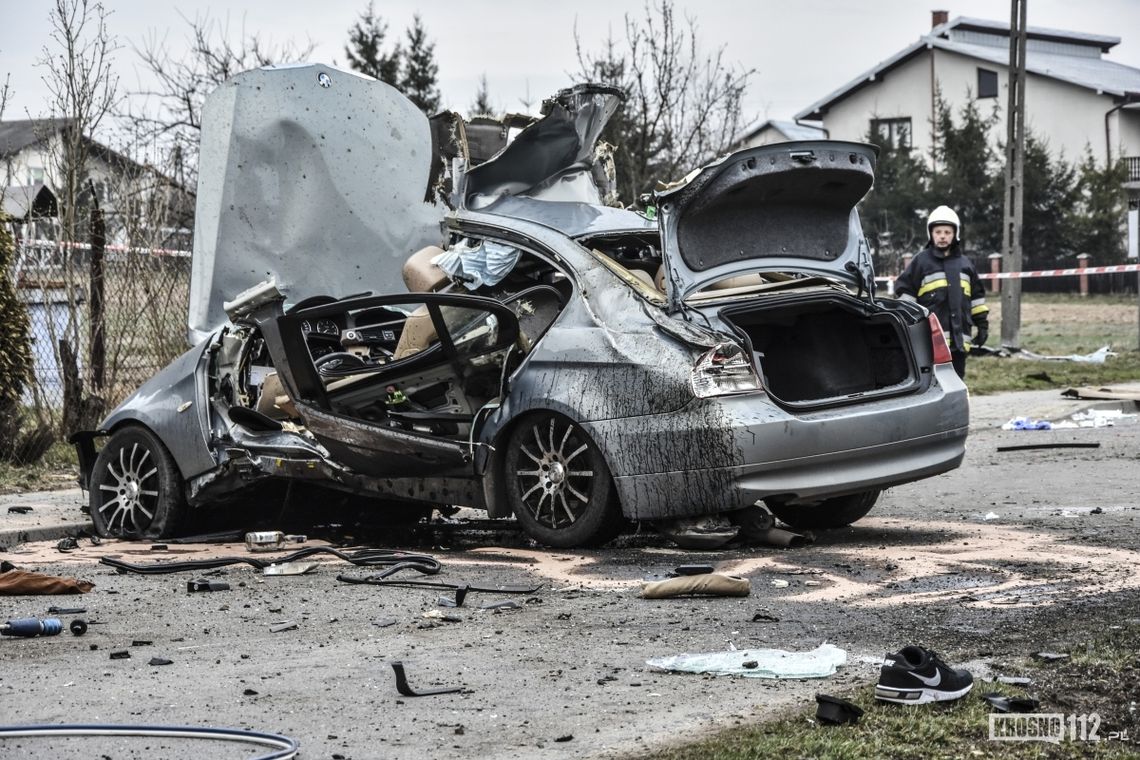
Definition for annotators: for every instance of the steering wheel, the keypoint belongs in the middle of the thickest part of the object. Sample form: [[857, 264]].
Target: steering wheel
[[337, 362]]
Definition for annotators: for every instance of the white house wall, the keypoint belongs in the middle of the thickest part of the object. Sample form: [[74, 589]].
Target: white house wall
[[1067, 116], [901, 92]]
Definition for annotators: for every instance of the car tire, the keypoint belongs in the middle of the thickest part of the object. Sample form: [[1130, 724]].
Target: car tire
[[136, 490], [829, 513], [558, 484]]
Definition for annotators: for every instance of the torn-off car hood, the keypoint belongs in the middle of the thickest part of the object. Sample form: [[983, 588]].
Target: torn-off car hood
[[555, 158], [787, 207], [311, 176]]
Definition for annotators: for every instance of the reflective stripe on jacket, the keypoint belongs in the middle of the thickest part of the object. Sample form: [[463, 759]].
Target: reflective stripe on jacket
[[959, 309]]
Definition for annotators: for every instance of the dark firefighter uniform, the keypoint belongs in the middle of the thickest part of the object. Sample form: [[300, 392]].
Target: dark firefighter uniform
[[946, 283]]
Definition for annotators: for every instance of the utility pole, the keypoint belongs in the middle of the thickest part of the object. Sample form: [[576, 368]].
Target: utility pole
[[1014, 177]]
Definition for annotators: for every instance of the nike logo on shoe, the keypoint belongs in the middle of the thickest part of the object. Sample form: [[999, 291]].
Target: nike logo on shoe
[[929, 680]]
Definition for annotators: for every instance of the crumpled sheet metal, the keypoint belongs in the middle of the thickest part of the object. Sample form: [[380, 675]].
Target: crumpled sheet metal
[[17, 582], [821, 662], [707, 584]]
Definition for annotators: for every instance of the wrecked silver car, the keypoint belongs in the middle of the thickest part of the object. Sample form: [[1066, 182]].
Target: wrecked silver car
[[548, 356]]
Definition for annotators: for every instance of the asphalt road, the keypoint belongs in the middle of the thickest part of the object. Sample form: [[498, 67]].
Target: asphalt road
[[1014, 552]]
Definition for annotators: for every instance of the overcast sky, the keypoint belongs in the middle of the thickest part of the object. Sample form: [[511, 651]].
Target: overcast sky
[[800, 49]]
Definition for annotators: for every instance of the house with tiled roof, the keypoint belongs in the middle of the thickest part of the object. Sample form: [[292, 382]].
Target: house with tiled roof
[[1075, 95], [768, 131]]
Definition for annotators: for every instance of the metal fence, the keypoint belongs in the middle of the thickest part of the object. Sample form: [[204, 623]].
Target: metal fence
[[146, 293]]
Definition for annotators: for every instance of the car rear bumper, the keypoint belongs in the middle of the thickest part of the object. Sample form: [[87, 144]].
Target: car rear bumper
[[722, 454]]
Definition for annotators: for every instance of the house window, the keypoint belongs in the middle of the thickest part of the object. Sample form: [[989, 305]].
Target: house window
[[987, 83], [35, 174], [894, 133]]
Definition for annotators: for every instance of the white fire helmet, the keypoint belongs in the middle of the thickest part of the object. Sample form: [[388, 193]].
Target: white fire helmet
[[944, 215]]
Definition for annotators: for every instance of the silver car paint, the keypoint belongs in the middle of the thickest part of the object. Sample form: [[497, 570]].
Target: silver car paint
[[288, 187]]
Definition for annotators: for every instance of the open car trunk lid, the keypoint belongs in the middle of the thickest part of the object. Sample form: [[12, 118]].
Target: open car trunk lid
[[788, 207]]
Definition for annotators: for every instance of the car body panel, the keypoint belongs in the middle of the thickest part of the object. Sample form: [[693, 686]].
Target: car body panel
[[173, 404], [287, 186], [785, 207]]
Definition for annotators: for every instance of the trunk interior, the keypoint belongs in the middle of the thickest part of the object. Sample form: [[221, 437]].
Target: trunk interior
[[825, 351]]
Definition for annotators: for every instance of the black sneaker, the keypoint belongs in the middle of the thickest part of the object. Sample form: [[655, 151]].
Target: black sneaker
[[915, 676]]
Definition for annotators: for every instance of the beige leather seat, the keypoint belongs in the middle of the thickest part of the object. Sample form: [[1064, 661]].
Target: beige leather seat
[[732, 282], [274, 402], [420, 276]]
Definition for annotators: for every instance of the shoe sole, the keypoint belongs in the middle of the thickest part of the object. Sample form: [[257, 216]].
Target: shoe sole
[[918, 696]]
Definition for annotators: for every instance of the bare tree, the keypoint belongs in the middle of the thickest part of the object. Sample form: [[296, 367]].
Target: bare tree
[[683, 107], [83, 89], [173, 108]]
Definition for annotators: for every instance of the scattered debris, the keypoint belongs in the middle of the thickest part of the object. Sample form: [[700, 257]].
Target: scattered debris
[[1107, 394], [705, 532], [821, 662], [122, 654], [506, 604], [1031, 446], [441, 615], [16, 582], [406, 690], [77, 627], [991, 516], [835, 711], [158, 547], [706, 584], [287, 625], [67, 544], [765, 617], [780, 583], [28, 628], [566, 738], [1005, 704], [19, 510], [457, 601], [1025, 423], [384, 622], [271, 540], [1096, 511], [157, 661], [1015, 680], [1051, 656], [205, 585], [290, 568]]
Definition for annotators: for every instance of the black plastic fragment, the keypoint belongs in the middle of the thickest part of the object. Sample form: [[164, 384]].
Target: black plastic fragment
[[78, 627], [1005, 704], [157, 661], [204, 585], [121, 655], [1032, 446], [19, 510], [692, 569], [53, 610], [835, 711], [406, 690]]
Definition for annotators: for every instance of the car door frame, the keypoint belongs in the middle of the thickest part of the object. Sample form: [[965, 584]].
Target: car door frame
[[365, 446]]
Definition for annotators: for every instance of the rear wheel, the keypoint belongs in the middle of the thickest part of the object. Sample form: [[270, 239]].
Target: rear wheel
[[136, 489], [558, 484], [829, 513]]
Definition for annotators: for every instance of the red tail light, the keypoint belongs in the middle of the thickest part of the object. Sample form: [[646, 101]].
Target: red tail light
[[938, 339]]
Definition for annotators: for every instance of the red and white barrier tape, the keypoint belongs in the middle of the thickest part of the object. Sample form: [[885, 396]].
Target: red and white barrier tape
[[1061, 272], [111, 247]]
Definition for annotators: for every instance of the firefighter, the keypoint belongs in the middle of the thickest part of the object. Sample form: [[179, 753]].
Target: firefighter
[[943, 280]]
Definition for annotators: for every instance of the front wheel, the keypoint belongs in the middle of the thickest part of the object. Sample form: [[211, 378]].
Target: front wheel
[[829, 513], [136, 489], [558, 484]]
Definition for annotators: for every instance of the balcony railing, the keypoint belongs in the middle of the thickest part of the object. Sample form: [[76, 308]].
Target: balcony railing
[[1133, 165]]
